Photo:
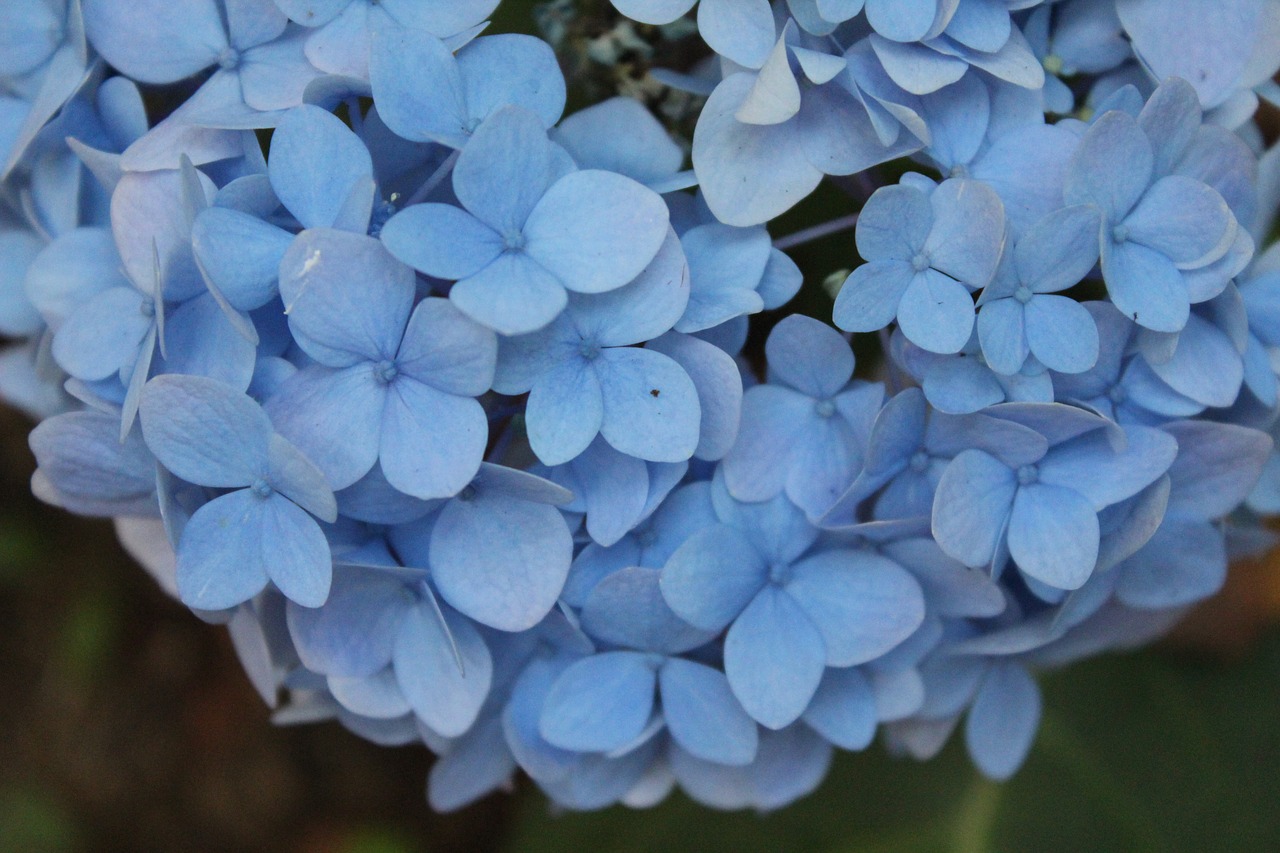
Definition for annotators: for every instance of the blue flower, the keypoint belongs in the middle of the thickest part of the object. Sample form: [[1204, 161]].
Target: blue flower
[[804, 431], [791, 609], [1041, 508], [392, 382], [263, 530], [925, 253], [741, 30], [527, 232]]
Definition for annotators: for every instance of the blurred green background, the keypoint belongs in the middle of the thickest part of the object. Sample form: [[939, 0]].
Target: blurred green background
[[128, 725]]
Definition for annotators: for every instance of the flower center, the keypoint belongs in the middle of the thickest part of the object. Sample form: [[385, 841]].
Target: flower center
[[1023, 294], [1117, 394], [147, 308], [1052, 64], [386, 371], [780, 572], [825, 408], [262, 488], [1119, 233], [229, 58], [921, 261], [1028, 474], [513, 240], [959, 170], [919, 461], [590, 350]]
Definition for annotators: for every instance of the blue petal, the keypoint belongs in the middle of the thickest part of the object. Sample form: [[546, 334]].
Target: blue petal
[[1112, 167], [293, 549], [1206, 366], [84, 467], [653, 11], [650, 406], [869, 299], [500, 560], [1145, 286], [775, 95], [627, 609], [596, 231], [936, 313], [749, 173], [564, 412], [712, 577], [1061, 334], [774, 658], [725, 265], [445, 350], [353, 634], [901, 20], [917, 68], [1059, 250], [511, 69], [505, 169], [1184, 562], [809, 356], [1002, 331], [299, 480], [221, 555], [157, 42], [718, 382], [240, 254], [704, 717], [742, 31], [334, 321], [968, 231], [600, 703], [204, 431], [418, 86], [431, 441], [1003, 720], [971, 507], [843, 710], [1183, 219], [203, 341], [445, 696], [103, 335], [514, 295], [862, 604], [643, 309], [1054, 535], [441, 240], [614, 487], [334, 417], [645, 153], [1216, 467], [316, 161]]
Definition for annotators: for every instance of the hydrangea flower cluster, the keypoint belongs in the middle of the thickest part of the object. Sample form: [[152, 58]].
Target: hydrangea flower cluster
[[442, 401]]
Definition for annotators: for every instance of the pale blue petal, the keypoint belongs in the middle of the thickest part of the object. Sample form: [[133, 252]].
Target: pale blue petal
[[844, 710], [862, 604], [1183, 219], [418, 86], [774, 658], [749, 173], [505, 169], [643, 309], [627, 609], [650, 406], [810, 356], [961, 385], [1112, 166], [514, 295], [1216, 467], [1053, 535], [347, 298], [154, 41], [353, 634], [431, 441], [203, 341], [293, 551], [445, 697], [869, 299], [511, 69], [1003, 720], [718, 382], [1059, 250], [1184, 562], [204, 431], [917, 68], [103, 335], [654, 11], [742, 30], [971, 507], [600, 703], [441, 240], [1001, 329], [565, 412], [645, 153], [240, 254], [775, 95], [968, 231], [315, 162], [725, 265], [220, 557], [596, 231], [445, 350], [500, 560], [334, 417], [902, 20], [1206, 366], [1061, 334], [704, 717], [712, 577], [936, 313], [1145, 286]]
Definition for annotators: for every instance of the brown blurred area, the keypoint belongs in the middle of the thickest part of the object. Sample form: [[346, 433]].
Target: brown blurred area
[[128, 724]]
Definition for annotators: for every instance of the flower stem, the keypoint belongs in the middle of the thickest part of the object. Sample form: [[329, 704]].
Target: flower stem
[[843, 223]]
